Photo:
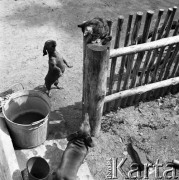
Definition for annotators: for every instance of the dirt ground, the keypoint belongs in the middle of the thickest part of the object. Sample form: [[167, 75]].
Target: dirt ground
[[27, 24]]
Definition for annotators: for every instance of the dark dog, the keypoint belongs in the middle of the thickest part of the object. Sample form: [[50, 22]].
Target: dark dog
[[75, 153], [56, 65], [96, 31]]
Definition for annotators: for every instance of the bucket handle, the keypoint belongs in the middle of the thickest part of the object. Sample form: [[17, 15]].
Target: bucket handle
[[5, 98], [16, 84], [38, 122]]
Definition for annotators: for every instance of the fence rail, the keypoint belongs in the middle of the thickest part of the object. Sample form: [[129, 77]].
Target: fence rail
[[142, 89], [144, 47]]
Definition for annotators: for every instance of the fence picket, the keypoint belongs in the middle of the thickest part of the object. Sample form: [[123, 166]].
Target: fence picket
[[113, 61], [169, 51], [159, 59], [148, 20], [146, 62], [130, 58], [167, 72], [167, 57], [155, 52], [140, 56], [123, 61]]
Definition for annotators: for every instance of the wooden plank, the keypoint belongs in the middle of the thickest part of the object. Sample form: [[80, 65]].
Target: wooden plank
[[148, 20], [166, 34], [113, 61], [149, 53], [167, 72], [123, 61], [167, 60], [9, 168], [155, 52], [4, 168], [146, 62], [154, 55], [130, 58], [175, 69], [144, 47], [170, 22], [142, 89], [174, 54], [140, 56], [173, 74]]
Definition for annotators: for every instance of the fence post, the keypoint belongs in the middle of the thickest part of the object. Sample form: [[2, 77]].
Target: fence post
[[95, 84]]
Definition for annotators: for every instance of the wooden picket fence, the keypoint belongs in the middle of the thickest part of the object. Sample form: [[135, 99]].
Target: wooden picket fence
[[143, 64], [146, 67]]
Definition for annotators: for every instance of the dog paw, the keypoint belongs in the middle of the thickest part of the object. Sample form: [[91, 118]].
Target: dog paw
[[48, 93], [61, 75], [59, 87]]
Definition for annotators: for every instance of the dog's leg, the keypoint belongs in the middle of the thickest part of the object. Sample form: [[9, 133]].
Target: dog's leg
[[56, 84], [48, 88], [49, 93], [69, 66]]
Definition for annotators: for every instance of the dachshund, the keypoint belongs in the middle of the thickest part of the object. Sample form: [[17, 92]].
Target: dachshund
[[75, 152], [56, 65], [96, 31]]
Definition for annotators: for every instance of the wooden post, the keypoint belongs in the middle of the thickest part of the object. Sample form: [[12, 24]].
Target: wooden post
[[97, 59], [109, 22], [85, 66], [9, 168]]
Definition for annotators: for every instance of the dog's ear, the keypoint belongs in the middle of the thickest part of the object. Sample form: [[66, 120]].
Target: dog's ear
[[106, 40], [72, 136], [44, 50], [82, 26], [89, 141]]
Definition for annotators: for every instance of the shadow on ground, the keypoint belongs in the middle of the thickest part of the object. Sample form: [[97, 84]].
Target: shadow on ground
[[63, 120], [53, 154]]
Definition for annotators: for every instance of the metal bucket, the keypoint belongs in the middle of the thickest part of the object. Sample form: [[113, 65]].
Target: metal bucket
[[27, 135], [38, 169]]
